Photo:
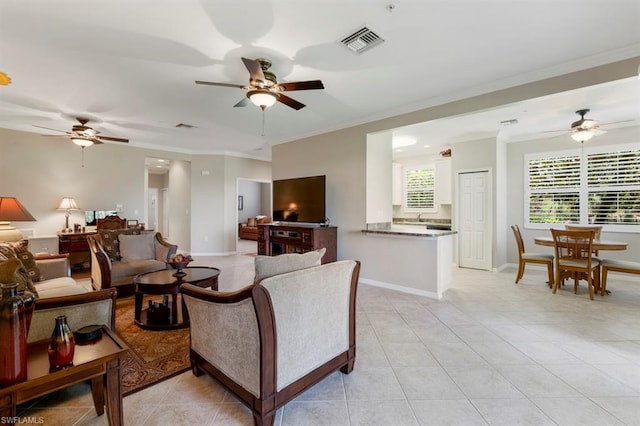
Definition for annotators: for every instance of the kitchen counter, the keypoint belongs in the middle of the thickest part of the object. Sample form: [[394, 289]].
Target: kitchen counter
[[427, 257], [405, 230]]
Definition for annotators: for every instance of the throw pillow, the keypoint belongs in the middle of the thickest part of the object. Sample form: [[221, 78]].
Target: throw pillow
[[268, 266], [21, 249], [251, 221], [137, 247], [110, 242], [10, 272]]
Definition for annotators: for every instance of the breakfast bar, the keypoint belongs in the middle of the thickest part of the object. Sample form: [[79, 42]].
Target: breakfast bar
[[427, 256]]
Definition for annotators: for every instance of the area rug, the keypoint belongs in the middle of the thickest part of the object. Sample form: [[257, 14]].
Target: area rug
[[154, 355]]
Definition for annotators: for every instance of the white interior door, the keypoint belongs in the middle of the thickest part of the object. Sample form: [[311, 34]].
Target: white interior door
[[474, 238]]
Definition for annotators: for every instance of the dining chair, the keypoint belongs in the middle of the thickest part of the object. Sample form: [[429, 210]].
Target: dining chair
[[613, 265], [524, 257], [574, 258], [596, 228]]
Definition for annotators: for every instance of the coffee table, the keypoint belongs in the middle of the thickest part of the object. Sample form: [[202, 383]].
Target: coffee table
[[98, 361], [164, 282]]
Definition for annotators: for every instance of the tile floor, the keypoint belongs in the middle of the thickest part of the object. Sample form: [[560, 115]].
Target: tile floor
[[490, 352]]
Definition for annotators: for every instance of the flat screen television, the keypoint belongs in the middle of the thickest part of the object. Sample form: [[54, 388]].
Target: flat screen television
[[299, 200]]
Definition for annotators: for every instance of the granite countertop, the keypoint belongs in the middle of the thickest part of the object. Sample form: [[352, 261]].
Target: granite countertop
[[387, 228]]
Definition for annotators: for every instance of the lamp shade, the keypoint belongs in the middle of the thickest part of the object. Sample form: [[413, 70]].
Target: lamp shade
[[81, 141], [11, 210], [68, 203]]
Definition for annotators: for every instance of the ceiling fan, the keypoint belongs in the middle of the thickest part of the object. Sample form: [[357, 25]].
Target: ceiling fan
[[264, 90], [584, 129], [83, 135]]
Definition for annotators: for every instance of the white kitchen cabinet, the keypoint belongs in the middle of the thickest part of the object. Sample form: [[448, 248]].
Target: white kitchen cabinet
[[443, 181], [396, 184]]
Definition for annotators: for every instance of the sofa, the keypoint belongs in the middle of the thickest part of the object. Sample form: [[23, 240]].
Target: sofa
[[57, 293], [117, 256], [270, 341], [249, 230]]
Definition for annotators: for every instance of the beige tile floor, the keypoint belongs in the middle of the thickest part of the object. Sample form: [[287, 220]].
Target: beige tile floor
[[490, 352]]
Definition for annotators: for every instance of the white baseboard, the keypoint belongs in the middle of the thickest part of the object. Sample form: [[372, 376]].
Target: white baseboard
[[400, 288]]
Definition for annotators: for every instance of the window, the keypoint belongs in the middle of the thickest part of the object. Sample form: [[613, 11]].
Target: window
[[594, 186], [419, 190]]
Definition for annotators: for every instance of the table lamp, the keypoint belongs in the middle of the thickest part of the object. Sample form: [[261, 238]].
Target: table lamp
[[68, 204], [12, 210]]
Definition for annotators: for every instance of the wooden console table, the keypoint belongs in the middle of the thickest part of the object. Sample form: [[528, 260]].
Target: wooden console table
[[98, 362], [281, 239], [75, 243]]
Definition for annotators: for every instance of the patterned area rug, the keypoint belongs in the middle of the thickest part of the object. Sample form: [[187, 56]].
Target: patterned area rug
[[154, 355]]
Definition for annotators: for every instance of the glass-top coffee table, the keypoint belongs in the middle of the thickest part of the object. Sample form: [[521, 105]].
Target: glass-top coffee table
[[164, 282]]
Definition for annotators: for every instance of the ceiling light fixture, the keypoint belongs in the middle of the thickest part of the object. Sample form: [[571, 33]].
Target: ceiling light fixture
[[81, 140], [262, 98], [402, 141], [581, 135]]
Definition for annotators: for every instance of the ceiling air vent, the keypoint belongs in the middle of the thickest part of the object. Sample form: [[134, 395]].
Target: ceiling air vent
[[186, 126], [362, 40]]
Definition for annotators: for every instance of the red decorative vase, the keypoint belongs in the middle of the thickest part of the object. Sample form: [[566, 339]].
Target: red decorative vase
[[62, 346], [15, 319]]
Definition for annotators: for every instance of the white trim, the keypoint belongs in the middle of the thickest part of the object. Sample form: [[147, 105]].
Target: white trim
[[400, 288]]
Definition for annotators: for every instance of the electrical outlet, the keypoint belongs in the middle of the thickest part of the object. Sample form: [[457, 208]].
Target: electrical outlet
[[119, 208]]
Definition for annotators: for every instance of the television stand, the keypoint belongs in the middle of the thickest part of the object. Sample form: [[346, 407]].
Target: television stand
[[282, 239]]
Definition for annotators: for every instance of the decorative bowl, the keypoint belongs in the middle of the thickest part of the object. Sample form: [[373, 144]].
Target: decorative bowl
[[179, 265]]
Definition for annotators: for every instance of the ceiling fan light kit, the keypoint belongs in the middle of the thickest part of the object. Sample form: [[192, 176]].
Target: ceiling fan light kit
[[262, 98], [582, 135], [81, 141]]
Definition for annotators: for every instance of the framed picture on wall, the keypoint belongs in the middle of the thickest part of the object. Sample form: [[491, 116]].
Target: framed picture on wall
[[240, 202]]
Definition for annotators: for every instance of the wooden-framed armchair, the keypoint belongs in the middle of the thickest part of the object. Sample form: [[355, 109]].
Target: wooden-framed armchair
[[269, 342]]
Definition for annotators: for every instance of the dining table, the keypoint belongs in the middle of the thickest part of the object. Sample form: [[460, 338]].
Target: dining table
[[596, 245]]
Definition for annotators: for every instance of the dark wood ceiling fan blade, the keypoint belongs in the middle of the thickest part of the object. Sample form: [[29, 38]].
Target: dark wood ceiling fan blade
[[243, 103], [301, 85], [290, 102], [49, 128], [111, 138], [255, 70], [210, 83]]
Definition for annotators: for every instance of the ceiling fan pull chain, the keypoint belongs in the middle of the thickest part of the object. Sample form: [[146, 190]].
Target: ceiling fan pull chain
[[82, 155], [263, 121]]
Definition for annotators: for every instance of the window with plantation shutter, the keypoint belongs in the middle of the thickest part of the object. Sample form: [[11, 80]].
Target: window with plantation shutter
[[419, 190], [613, 181], [598, 185]]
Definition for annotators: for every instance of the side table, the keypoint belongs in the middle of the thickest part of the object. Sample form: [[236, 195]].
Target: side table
[[98, 361]]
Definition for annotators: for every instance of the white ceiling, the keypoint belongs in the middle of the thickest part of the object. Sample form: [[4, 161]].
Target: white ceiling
[[130, 66]]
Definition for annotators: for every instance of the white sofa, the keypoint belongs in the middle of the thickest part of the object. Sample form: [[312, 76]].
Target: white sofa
[[270, 341]]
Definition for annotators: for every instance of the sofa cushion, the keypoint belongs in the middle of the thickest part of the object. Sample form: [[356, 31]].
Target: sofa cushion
[[12, 271], [268, 266], [110, 242], [251, 221], [137, 247], [125, 271], [56, 287]]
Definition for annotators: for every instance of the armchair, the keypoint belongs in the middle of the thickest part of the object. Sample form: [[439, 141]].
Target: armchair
[[269, 342]]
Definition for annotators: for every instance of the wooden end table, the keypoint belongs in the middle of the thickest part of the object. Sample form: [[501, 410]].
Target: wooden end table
[[98, 361], [164, 282]]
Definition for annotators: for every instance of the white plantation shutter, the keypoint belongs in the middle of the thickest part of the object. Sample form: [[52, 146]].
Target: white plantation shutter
[[597, 186], [554, 189], [419, 189], [613, 181]]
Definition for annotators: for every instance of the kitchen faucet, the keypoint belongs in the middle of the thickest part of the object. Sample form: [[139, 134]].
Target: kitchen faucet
[[419, 214]]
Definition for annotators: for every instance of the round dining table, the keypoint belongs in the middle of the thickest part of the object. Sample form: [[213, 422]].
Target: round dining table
[[597, 244]]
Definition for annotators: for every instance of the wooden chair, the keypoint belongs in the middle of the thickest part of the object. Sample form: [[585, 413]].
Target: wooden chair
[[612, 265], [574, 258], [111, 222], [596, 228], [523, 257]]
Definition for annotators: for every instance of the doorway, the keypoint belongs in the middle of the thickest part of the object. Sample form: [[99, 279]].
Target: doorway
[[254, 200], [475, 217]]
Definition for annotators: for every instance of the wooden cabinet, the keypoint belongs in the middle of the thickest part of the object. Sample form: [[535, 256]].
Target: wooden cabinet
[[281, 239], [73, 242], [443, 181]]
